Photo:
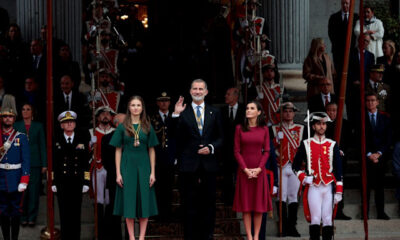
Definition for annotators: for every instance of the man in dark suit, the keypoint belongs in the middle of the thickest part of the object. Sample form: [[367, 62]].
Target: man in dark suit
[[353, 83], [166, 154], [318, 102], [199, 136], [71, 174], [38, 63], [69, 99], [232, 115], [378, 140], [337, 31]]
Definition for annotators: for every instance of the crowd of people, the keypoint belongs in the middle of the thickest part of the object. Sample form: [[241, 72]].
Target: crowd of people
[[127, 158]]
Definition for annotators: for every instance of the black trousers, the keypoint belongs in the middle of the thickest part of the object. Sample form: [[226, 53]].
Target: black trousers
[[199, 196], [375, 180], [69, 196], [165, 181]]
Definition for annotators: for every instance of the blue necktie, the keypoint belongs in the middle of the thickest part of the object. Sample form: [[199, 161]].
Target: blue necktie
[[373, 122], [198, 113]]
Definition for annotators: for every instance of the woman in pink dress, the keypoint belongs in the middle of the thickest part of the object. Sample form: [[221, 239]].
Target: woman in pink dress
[[251, 151]]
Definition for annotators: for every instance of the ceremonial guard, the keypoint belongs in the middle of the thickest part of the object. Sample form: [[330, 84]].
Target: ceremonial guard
[[288, 136], [14, 173], [269, 91], [322, 177], [112, 222], [165, 152], [70, 174], [105, 94], [104, 117]]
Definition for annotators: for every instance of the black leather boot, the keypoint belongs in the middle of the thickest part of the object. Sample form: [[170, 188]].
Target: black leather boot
[[292, 220], [15, 221], [314, 232], [284, 218], [5, 227], [327, 232]]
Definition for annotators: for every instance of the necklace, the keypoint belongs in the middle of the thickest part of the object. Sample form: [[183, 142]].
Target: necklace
[[136, 132]]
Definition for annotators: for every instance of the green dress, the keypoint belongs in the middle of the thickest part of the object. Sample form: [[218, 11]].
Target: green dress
[[136, 199]]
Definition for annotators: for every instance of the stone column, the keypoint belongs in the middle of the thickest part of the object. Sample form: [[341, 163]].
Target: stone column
[[288, 24], [67, 20]]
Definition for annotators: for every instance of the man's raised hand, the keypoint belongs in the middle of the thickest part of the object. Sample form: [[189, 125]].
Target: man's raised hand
[[179, 106]]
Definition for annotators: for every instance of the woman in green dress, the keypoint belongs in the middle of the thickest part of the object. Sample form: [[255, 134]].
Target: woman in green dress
[[134, 140]]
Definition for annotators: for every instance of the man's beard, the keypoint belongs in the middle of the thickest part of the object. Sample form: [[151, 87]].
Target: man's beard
[[104, 84], [197, 98], [105, 121], [5, 125]]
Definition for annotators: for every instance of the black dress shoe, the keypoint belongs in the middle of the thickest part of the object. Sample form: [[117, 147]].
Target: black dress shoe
[[342, 216], [383, 216]]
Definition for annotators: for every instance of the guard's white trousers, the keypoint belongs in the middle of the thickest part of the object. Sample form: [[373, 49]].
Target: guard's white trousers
[[290, 184], [320, 202]]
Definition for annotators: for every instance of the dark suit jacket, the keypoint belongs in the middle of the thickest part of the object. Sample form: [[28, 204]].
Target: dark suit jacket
[[78, 105], [71, 162], [189, 139], [381, 138], [37, 143], [229, 128], [354, 66], [315, 103], [337, 31]]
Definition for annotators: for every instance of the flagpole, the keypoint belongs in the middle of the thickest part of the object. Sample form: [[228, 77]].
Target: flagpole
[[362, 100]]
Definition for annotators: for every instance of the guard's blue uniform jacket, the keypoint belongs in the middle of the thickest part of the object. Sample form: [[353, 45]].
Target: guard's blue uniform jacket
[[19, 153]]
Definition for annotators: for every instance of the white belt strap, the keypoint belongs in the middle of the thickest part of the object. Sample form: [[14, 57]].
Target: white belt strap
[[8, 166]]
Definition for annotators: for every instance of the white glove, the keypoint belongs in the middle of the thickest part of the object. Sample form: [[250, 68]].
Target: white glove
[[244, 23], [85, 189], [308, 180], [54, 188], [93, 140], [341, 153], [274, 190], [259, 92], [337, 198], [107, 197], [280, 135], [22, 187]]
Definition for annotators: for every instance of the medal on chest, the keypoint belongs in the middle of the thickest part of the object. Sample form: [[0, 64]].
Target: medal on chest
[[136, 142]]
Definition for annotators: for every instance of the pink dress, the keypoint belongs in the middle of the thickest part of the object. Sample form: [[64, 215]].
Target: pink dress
[[251, 150]]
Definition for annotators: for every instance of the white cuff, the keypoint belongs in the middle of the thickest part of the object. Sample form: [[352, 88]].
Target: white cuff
[[212, 148]]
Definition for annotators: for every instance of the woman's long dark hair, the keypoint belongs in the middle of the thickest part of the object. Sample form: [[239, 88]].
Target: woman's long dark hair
[[144, 120], [261, 122]]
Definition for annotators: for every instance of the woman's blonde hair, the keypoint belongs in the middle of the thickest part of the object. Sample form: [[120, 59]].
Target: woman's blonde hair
[[316, 43]]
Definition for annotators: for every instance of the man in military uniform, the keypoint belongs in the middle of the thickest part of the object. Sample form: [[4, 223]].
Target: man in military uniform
[[71, 174], [165, 153], [322, 177], [378, 87], [14, 173], [289, 135]]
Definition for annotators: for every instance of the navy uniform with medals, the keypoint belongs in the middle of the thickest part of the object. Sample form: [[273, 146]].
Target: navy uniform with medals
[[165, 152], [14, 174], [71, 176]]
